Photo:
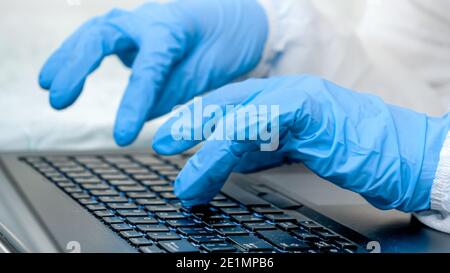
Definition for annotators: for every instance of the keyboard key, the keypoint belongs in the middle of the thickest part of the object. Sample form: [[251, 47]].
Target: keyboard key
[[158, 236], [286, 226], [224, 204], [114, 177], [142, 220], [163, 208], [151, 202], [310, 225], [321, 246], [232, 231], [112, 220], [178, 246], [326, 234], [131, 188], [86, 202], [96, 207], [247, 218], [251, 243], [151, 249], [343, 243], [219, 247], [235, 211], [168, 195], [259, 226], [153, 228], [104, 213], [133, 212], [267, 210], [131, 234], [162, 189], [137, 195], [305, 236], [113, 199], [279, 217], [150, 176], [81, 195], [122, 182], [91, 180], [283, 240], [97, 186], [170, 215], [122, 206], [157, 182], [221, 224], [206, 239], [140, 241], [189, 231], [104, 192], [182, 223], [121, 227]]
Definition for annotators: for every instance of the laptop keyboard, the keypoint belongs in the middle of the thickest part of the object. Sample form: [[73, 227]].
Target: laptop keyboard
[[133, 196]]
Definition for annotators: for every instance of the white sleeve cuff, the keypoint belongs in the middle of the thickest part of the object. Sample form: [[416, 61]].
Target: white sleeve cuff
[[439, 215]]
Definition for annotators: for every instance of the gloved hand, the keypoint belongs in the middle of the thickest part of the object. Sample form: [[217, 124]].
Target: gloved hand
[[176, 51], [387, 154]]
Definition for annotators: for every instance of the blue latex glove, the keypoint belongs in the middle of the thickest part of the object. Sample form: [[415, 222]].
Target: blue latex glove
[[176, 51], [386, 153]]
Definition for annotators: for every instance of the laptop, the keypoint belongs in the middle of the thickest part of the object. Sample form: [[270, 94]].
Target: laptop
[[123, 201]]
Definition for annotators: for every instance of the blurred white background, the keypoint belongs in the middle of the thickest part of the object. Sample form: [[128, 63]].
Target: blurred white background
[[30, 31]]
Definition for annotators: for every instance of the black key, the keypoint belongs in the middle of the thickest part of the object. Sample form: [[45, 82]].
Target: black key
[[310, 225], [112, 220], [321, 245], [162, 189], [153, 228], [283, 240], [287, 226], [219, 197], [123, 182], [189, 231], [170, 215], [305, 236], [104, 193], [137, 195], [182, 223], [235, 211], [151, 249], [104, 213], [168, 195], [229, 231], [122, 206], [121, 227], [219, 247], [158, 236], [113, 199], [259, 226], [133, 212], [96, 207], [131, 188], [326, 234], [150, 176], [224, 204], [81, 195], [156, 182], [151, 202], [279, 218], [251, 243], [86, 202], [343, 243], [131, 234], [221, 224], [178, 246], [206, 239], [91, 180], [142, 220], [96, 186], [247, 218], [114, 177], [140, 241], [163, 208], [267, 210]]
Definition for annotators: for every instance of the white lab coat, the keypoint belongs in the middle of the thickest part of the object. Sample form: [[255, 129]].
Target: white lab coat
[[398, 49]]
